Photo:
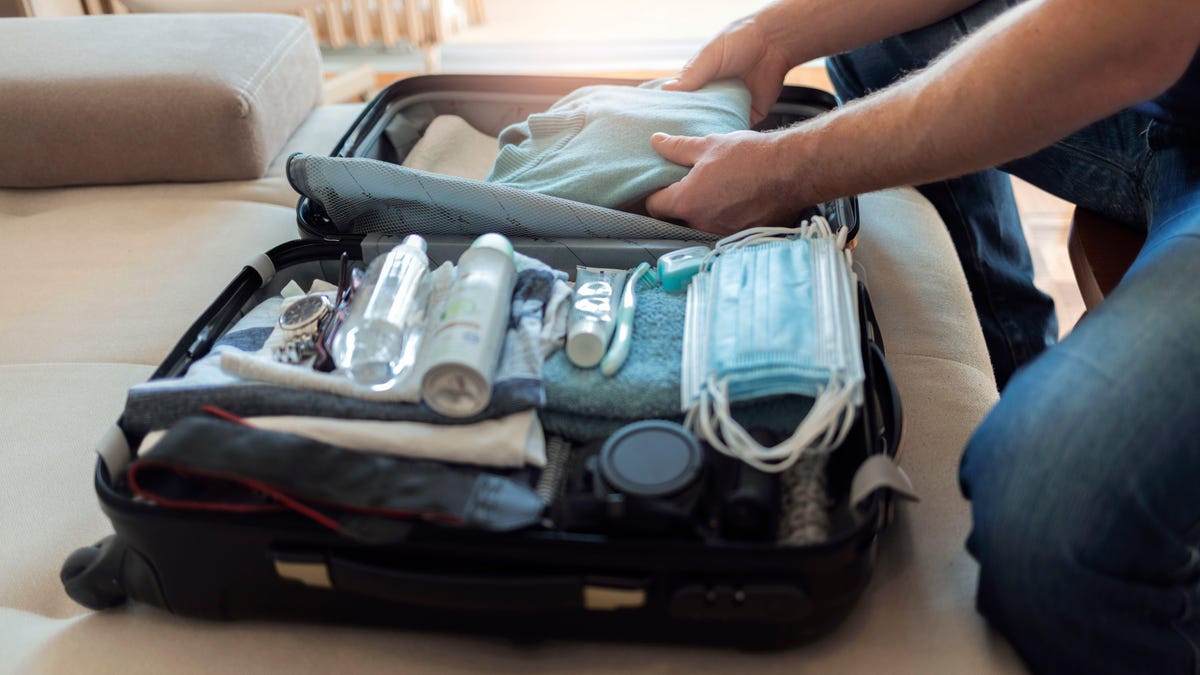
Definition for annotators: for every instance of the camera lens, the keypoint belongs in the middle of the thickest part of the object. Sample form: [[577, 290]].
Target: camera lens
[[652, 458]]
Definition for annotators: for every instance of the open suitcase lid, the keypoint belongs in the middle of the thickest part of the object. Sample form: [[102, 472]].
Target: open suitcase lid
[[491, 102]]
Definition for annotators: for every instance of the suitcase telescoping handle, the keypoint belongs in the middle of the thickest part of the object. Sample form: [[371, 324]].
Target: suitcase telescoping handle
[[889, 402], [542, 593], [890, 413]]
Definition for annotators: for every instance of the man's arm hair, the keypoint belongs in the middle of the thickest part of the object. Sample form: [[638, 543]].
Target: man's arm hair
[[1029, 78], [809, 29]]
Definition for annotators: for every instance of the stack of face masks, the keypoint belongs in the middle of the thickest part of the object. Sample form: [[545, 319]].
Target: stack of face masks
[[773, 314]]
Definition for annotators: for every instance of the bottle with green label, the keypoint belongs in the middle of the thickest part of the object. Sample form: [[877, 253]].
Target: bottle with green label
[[463, 350]]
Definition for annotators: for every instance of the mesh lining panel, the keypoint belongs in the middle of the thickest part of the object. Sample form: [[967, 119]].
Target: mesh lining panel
[[365, 196]]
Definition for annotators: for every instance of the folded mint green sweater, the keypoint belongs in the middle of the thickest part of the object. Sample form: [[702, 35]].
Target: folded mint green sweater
[[593, 145]]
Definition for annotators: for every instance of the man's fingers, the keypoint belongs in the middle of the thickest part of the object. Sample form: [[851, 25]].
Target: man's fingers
[[681, 150], [664, 203], [761, 101], [697, 72], [670, 204]]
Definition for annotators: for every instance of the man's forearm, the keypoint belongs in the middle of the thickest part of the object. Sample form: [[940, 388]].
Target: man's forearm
[[809, 29], [1026, 80]]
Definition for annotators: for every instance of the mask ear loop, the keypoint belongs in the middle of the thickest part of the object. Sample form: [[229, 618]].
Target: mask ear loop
[[694, 341], [824, 428], [829, 420], [818, 226]]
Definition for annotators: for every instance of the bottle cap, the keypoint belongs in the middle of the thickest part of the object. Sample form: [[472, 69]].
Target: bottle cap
[[587, 343], [676, 269], [455, 390], [415, 240], [495, 241]]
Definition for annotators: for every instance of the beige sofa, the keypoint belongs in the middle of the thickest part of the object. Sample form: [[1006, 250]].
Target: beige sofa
[[102, 280]]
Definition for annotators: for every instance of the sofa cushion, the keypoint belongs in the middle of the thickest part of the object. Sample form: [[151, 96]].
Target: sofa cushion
[[930, 313], [53, 416], [181, 6], [139, 98], [318, 134], [120, 281]]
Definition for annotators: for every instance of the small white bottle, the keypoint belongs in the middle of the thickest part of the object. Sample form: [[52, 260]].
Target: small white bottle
[[378, 342], [462, 353]]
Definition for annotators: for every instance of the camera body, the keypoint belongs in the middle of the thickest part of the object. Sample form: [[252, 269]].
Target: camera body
[[654, 478]]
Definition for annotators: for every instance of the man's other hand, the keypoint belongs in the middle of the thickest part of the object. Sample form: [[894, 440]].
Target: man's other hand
[[737, 180], [741, 51]]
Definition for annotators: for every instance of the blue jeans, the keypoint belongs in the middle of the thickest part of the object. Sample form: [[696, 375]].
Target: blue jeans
[[1018, 320], [1085, 477]]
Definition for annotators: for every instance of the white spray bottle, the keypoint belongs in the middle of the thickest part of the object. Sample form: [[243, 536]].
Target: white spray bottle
[[463, 350]]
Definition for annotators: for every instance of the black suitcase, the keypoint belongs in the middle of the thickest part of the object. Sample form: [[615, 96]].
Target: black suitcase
[[526, 584]]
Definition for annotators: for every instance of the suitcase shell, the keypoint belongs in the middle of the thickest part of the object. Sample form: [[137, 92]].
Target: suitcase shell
[[553, 583]]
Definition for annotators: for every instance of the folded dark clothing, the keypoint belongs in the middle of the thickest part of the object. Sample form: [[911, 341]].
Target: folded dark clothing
[[212, 464], [148, 409]]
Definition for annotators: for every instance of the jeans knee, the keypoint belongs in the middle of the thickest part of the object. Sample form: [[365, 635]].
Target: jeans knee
[[1069, 554], [1022, 535]]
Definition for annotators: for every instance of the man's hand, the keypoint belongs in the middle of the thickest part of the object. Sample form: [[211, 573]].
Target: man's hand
[[737, 180], [742, 50], [761, 48]]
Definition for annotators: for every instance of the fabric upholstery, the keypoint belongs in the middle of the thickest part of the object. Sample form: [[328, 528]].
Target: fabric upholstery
[[137, 98], [917, 287], [53, 416], [121, 282], [187, 6], [317, 134]]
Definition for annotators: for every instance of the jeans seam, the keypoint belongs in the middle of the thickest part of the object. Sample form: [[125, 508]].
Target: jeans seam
[[1177, 216], [1178, 624], [987, 288], [1130, 173], [1151, 247], [1143, 167]]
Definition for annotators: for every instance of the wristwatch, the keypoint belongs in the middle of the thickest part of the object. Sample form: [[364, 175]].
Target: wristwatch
[[301, 322]]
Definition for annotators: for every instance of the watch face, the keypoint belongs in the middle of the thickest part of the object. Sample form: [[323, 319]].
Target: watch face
[[304, 312]]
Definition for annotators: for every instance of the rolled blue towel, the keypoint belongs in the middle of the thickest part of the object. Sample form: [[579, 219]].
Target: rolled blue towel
[[646, 387], [593, 145], [583, 404]]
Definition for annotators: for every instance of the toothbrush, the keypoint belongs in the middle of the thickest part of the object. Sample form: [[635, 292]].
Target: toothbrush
[[618, 351]]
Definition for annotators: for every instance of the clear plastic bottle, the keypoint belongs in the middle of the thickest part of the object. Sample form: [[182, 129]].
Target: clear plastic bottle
[[378, 342]]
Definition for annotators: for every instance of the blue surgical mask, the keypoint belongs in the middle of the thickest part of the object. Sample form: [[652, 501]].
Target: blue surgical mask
[[771, 316]]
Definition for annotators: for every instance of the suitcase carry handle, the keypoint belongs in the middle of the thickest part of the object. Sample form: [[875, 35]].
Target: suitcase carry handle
[[880, 473], [534, 594]]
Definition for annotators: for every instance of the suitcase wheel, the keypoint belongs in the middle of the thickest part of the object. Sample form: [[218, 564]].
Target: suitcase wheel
[[92, 576]]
